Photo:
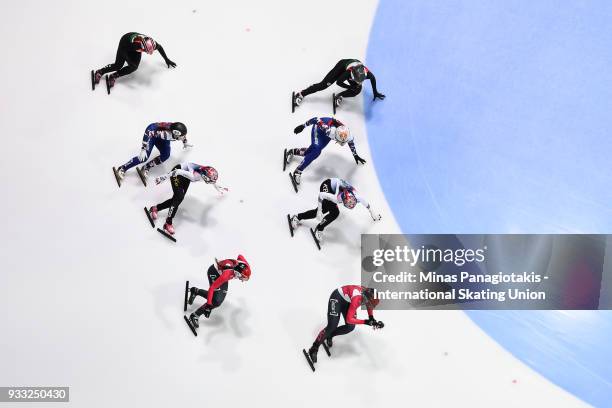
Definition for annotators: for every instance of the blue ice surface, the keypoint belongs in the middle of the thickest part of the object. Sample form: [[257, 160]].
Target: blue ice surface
[[498, 119]]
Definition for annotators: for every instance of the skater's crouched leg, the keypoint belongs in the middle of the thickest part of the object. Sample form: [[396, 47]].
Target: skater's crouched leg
[[331, 212], [344, 329]]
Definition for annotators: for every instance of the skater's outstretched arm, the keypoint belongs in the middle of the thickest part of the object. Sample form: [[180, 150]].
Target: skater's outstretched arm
[[309, 122], [375, 216], [170, 63], [352, 312], [358, 159], [224, 277], [178, 172], [372, 79], [220, 189], [361, 200]]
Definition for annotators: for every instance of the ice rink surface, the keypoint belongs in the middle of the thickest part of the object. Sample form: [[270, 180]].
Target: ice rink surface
[[504, 111], [92, 296]]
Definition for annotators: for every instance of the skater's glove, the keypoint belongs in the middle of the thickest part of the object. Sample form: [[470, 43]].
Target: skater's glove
[[142, 156], [375, 217], [358, 159], [186, 145], [370, 321], [378, 95], [160, 179], [379, 325], [298, 129], [207, 310], [220, 189], [170, 64]]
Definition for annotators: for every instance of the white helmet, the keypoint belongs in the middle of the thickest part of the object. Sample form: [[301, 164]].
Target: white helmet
[[342, 135]]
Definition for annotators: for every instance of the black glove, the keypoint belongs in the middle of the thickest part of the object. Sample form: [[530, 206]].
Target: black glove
[[371, 321], [207, 310], [298, 129], [378, 95], [379, 325], [171, 64], [358, 159]]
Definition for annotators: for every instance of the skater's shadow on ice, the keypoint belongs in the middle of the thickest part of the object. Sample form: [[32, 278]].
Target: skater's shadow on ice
[[367, 354], [197, 212], [319, 98], [144, 76], [349, 105], [224, 331], [344, 349], [369, 106], [334, 165], [334, 234], [228, 319], [167, 303]]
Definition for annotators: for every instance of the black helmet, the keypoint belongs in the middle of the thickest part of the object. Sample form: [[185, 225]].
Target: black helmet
[[359, 73], [178, 129]]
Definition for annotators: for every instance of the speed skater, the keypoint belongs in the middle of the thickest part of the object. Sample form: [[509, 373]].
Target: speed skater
[[332, 192], [130, 49], [159, 135], [323, 131], [181, 176], [219, 274], [345, 301]]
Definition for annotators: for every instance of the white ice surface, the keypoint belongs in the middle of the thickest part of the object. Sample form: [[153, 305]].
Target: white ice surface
[[91, 296]]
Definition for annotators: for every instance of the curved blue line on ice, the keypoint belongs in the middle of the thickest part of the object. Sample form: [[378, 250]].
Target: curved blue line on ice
[[497, 120]]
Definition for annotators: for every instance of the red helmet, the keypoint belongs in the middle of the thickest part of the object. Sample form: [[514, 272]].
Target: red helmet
[[149, 45], [348, 198], [209, 174], [243, 268]]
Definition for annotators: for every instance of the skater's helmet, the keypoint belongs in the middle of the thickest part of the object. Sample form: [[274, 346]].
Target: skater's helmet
[[242, 269], [342, 134], [208, 174], [149, 45], [178, 130], [369, 297], [359, 73], [348, 198]]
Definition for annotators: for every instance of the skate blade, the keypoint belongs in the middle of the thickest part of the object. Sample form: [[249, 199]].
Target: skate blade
[[142, 176], [93, 81], [165, 234], [108, 88], [326, 349], [293, 182], [193, 330], [285, 160], [315, 239], [149, 217], [293, 102], [290, 227], [186, 292], [117, 177], [310, 363], [334, 102]]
